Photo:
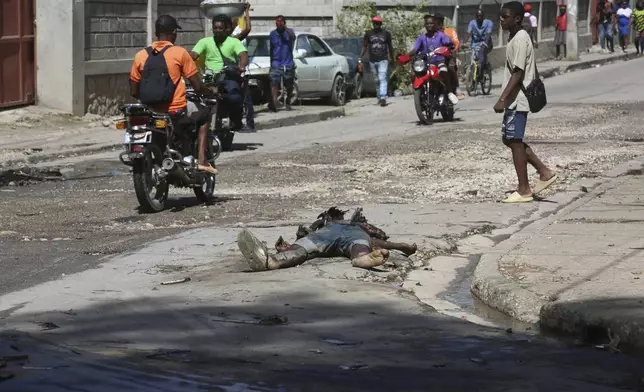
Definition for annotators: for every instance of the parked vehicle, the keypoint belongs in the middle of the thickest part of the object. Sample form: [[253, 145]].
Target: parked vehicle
[[429, 91], [161, 156], [320, 72]]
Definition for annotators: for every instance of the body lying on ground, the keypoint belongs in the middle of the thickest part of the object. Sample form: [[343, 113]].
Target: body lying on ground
[[330, 236]]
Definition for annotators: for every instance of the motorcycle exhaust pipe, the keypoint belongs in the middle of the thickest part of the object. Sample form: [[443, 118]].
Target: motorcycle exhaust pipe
[[187, 181]]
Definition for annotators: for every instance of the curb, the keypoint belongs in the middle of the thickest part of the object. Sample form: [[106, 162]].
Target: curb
[[297, 119], [556, 71], [516, 300], [304, 118]]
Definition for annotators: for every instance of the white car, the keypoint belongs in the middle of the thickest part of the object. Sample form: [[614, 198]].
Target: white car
[[320, 72]]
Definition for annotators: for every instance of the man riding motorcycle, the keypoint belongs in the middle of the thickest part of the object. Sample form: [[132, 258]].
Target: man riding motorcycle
[[223, 50], [152, 81], [430, 41]]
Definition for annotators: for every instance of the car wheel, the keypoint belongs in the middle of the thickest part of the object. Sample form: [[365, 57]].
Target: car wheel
[[339, 91]]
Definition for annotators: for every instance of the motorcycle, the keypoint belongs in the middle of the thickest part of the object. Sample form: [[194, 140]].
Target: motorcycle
[[161, 156], [220, 123], [429, 91]]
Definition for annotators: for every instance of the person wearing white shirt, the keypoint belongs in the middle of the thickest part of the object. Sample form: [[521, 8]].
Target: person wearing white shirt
[[533, 24]]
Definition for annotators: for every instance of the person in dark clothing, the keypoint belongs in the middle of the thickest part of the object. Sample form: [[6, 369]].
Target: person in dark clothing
[[381, 53], [329, 236], [605, 25]]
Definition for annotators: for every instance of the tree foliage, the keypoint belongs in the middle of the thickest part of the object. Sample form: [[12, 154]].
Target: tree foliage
[[405, 26]]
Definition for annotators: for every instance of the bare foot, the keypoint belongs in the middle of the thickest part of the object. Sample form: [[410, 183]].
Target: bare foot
[[409, 250], [547, 175], [370, 260]]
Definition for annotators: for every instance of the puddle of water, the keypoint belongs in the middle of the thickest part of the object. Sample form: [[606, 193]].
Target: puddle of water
[[458, 293]]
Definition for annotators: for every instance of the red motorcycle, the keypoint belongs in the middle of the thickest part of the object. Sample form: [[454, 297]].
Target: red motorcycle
[[429, 92]]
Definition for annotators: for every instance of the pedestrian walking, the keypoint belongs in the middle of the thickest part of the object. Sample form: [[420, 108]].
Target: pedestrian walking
[[560, 33], [605, 24], [624, 13], [521, 70], [638, 22], [381, 53]]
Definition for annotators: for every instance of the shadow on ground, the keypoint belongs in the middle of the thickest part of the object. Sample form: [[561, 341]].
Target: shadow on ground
[[307, 339]]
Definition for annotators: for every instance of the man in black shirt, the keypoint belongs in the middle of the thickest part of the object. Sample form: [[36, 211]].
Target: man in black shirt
[[381, 54], [605, 25]]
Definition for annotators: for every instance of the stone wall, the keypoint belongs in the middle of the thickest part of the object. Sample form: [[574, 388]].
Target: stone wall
[[190, 18], [106, 93], [114, 29]]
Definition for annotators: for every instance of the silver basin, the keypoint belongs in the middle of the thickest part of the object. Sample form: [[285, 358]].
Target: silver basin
[[213, 8]]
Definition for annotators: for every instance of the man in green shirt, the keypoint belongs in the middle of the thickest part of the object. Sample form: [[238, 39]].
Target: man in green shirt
[[222, 50]]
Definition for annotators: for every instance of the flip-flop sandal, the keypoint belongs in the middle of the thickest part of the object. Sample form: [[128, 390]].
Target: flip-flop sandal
[[254, 251], [541, 186], [516, 197]]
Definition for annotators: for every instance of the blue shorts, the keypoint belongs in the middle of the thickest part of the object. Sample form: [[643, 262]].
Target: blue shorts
[[513, 125], [278, 73]]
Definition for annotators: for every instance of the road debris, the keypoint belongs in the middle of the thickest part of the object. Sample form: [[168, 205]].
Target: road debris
[[46, 325], [184, 280], [354, 367], [273, 320], [341, 343]]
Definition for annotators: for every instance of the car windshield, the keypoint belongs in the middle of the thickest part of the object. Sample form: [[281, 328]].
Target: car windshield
[[344, 45], [258, 46]]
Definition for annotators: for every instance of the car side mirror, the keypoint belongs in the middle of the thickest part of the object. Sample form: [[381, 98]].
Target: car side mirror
[[300, 53]]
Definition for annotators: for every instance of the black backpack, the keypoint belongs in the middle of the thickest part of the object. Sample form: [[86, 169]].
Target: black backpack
[[156, 86]]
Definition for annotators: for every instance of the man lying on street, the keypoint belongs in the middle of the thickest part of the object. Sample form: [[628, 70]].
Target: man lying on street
[[330, 236]]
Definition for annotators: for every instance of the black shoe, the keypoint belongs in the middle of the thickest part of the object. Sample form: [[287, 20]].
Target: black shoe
[[383, 103], [288, 107], [272, 108]]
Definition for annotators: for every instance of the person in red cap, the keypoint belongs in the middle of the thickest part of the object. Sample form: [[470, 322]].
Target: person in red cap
[[381, 54], [530, 24]]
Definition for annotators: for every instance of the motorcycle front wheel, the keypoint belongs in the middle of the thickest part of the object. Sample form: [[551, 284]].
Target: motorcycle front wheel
[[423, 108], [151, 192]]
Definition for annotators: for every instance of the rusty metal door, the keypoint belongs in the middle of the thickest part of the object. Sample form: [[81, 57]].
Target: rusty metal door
[[17, 66]]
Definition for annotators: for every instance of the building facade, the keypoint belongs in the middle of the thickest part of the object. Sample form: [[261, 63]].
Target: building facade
[[84, 48]]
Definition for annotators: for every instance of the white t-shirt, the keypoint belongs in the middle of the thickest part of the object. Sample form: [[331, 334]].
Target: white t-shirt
[[533, 19], [519, 53], [627, 12]]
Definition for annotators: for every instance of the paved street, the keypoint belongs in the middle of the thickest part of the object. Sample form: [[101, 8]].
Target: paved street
[[80, 246]]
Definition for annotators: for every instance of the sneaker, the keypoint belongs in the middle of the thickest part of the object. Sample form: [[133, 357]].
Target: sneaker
[[452, 98], [288, 107], [383, 103]]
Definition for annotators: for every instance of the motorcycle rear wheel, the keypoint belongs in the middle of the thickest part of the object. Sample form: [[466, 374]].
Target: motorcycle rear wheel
[[425, 116], [146, 181]]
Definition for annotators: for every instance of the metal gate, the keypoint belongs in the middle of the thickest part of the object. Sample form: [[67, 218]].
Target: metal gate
[[17, 66]]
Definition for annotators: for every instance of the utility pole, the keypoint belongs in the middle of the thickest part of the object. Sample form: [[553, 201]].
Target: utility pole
[[572, 35]]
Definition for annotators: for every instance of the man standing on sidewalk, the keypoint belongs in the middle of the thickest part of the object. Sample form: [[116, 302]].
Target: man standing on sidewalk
[[381, 54], [520, 71], [282, 41], [561, 25], [605, 24], [241, 34]]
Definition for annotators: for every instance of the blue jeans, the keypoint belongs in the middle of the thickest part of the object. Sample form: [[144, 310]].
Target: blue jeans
[[336, 239], [380, 69], [606, 33], [513, 125]]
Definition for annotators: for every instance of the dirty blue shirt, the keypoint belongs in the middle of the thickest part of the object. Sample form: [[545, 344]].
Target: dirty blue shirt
[[425, 44], [281, 49]]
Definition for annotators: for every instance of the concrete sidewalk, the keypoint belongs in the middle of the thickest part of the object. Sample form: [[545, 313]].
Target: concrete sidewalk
[[32, 135], [548, 69], [580, 270]]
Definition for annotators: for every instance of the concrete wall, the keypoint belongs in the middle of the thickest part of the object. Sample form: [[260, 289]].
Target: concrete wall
[[105, 35], [59, 60]]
